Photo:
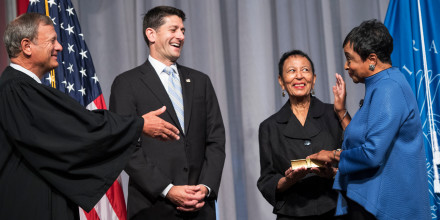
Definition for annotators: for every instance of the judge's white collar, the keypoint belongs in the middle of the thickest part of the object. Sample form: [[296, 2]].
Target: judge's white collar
[[25, 71]]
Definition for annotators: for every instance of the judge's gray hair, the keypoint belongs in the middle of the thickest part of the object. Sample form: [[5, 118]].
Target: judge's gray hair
[[24, 26]]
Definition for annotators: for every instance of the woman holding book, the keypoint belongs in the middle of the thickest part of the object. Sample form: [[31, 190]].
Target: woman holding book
[[303, 126]]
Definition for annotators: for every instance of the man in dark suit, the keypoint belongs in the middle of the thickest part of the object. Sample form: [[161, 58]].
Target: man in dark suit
[[179, 179]]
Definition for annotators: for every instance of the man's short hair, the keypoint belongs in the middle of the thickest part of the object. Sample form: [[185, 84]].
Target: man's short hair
[[24, 26], [155, 18]]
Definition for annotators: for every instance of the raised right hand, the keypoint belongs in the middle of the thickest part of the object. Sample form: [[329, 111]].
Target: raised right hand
[[339, 91]]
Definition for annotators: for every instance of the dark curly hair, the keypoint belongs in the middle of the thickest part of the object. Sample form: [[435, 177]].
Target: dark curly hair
[[293, 53], [371, 37]]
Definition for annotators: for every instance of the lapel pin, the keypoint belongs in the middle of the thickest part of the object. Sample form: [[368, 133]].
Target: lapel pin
[[188, 80]]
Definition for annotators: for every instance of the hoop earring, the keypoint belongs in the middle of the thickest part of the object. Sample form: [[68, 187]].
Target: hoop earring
[[371, 67], [312, 92], [283, 94]]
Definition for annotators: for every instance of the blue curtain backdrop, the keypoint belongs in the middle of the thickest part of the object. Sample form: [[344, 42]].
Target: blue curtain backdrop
[[415, 27]]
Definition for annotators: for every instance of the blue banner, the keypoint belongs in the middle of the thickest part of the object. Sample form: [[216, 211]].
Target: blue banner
[[415, 27]]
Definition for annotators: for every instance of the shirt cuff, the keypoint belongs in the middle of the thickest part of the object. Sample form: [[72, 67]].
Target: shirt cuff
[[209, 190], [166, 190]]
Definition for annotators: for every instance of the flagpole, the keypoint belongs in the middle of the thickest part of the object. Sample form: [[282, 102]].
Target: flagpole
[[46, 6], [433, 133]]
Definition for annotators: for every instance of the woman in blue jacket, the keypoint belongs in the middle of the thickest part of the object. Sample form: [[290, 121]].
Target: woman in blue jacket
[[382, 172]]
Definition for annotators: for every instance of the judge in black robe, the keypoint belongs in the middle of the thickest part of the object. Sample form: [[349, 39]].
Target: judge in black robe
[[54, 153]]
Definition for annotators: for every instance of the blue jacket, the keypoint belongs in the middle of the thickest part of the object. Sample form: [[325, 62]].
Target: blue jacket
[[382, 165]]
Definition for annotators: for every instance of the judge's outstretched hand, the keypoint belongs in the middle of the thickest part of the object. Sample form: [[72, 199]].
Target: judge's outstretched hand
[[158, 128]]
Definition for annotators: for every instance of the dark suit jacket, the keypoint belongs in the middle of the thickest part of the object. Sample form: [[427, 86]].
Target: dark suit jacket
[[197, 158], [283, 138]]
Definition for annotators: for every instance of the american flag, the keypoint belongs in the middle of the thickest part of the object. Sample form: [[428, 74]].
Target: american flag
[[76, 76]]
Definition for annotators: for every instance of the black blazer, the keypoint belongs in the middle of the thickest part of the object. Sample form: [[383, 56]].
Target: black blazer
[[197, 158], [282, 138]]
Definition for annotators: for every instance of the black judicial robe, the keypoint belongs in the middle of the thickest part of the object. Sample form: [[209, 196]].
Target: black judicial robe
[[54, 153]]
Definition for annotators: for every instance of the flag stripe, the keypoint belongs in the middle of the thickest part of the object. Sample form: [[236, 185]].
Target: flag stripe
[[22, 5], [92, 215], [100, 102], [104, 209], [117, 204]]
